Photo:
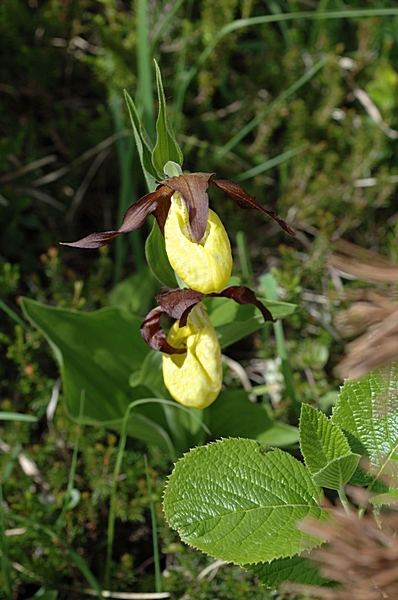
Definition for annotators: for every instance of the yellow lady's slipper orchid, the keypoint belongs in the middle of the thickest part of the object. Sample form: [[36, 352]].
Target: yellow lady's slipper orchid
[[194, 378], [204, 266]]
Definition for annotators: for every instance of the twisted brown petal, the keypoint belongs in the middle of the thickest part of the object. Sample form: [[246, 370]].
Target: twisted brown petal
[[192, 188], [178, 303], [133, 219], [244, 200], [153, 333], [244, 295]]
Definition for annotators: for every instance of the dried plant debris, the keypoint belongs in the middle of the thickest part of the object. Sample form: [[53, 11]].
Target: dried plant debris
[[374, 315], [362, 264], [361, 555]]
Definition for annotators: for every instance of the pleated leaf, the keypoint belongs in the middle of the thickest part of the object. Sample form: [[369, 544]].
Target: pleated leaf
[[297, 569], [367, 412], [326, 451], [240, 501]]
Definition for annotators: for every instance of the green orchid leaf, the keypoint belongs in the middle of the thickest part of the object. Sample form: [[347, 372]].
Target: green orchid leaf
[[96, 353], [158, 261], [166, 147], [367, 413], [135, 293], [297, 569], [233, 322], [326, 451], [233, 414], [240, 501], [143, 143]]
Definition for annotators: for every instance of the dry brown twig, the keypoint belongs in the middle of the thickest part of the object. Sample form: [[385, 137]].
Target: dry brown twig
[[374, 316], [361, 555]]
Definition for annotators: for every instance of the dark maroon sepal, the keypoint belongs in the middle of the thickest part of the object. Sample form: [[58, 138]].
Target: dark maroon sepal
[[153, 333], [133, 219], [192, 188], [244, 200], [176, 302]]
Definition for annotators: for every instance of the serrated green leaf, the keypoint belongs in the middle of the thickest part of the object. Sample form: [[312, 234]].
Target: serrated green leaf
[[367, 412], [326, 451], [144, 146], [390, 497], [297, 569], [155, 252], [166, 147], [241, 502], [336, 474]]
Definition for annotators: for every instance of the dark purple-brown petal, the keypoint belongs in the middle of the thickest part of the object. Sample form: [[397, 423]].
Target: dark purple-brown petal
[[179, 303], [133, 219], [244, 200], [192, 188], [244, 295], [153, 333]]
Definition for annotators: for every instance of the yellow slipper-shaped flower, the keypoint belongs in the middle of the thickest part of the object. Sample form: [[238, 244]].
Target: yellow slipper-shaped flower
[[204, 266], [194, 378]]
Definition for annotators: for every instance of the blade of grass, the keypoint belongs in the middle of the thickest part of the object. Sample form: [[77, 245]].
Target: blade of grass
[[276, 18], [61, 518], [158, 578], [11, 463], [268, 284], [128, 191], [244, 258], [5, 561], [62, 545], [165, 23], [269, 164], [13, 416], [116, 472], [14, 316], [276, 10], [281, 98], [145, 101], [179, 89]]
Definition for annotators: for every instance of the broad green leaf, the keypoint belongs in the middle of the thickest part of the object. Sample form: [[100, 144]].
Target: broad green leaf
[[158, 261], [233, 414], [297, 569], [150, 375], [233, 322], [223, 310], [144, 146], [240, 501], [326, 451], [367, 412], [166, 147], [96, 353], [135, 293], [14, 416]]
